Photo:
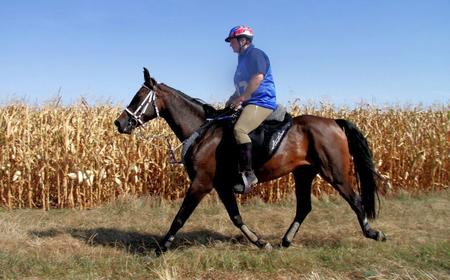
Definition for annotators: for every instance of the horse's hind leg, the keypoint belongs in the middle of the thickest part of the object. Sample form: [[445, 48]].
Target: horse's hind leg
[[354, 200], [337, 173], [228, 198], [303, 180]]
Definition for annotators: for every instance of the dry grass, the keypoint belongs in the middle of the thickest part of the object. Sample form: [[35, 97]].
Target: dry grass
[[57, 157], [116, 241]]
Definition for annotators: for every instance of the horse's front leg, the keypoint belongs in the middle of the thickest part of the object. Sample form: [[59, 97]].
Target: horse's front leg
[[228, 198], [194, 195]]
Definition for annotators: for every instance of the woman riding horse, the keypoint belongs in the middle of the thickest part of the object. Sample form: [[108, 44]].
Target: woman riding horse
[[313, 145], [255, 92]]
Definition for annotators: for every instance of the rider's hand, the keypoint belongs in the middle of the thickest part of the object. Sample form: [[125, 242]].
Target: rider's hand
[[236, 103]]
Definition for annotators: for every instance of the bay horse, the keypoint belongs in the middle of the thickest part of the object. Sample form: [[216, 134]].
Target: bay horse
[[313, 145]]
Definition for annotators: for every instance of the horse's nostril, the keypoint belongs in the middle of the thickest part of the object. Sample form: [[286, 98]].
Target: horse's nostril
[[117, 123]]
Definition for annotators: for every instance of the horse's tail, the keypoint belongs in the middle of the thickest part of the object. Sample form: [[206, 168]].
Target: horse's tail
[[364, 167]]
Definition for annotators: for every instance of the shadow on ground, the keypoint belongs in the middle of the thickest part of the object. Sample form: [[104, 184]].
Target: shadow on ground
[[137, 242]]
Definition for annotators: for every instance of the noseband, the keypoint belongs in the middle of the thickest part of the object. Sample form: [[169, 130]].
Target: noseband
[[142, 108]]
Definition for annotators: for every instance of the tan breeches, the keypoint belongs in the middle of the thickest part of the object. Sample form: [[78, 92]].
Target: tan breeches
[[251, 117]]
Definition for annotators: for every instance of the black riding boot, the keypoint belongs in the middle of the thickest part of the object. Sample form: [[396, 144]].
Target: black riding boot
[[248, 177]]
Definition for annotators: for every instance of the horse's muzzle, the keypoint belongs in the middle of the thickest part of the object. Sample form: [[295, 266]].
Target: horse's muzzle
[[123, 126]]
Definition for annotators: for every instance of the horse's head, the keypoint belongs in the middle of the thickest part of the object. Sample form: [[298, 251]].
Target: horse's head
[[142, 108]]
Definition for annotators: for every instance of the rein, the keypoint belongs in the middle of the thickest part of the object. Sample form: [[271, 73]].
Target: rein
[[171, 153]]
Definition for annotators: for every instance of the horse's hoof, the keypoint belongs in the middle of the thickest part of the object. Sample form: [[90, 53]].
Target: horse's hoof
[[160, 250], [262, 244], [381, 236], [285, 243], [268, 247], [147, 259]]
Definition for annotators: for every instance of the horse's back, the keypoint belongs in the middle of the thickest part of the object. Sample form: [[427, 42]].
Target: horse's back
[[312, 121], [319, 128]]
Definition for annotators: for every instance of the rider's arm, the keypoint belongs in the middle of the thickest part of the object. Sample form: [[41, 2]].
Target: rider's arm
[[255, 81]]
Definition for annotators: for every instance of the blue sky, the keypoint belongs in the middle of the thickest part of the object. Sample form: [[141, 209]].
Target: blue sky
[[343, 52]]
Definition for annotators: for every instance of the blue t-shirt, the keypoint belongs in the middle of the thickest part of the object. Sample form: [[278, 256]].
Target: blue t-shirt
[[251, 62]]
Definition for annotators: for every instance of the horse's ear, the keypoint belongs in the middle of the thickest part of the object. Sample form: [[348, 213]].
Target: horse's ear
[[147, 78], [149, 81]]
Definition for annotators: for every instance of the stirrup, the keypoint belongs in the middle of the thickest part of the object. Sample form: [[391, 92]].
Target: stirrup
[[248, 179]]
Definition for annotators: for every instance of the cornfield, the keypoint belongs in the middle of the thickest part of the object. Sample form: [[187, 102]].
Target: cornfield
[[55, 156]]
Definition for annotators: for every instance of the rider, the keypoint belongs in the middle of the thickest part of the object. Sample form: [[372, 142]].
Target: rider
[[255, 92]]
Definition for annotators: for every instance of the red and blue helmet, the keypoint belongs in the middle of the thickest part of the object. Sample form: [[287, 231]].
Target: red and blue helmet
[[240, 31]]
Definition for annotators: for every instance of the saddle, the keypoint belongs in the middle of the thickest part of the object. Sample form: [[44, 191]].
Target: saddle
[[265, 139]]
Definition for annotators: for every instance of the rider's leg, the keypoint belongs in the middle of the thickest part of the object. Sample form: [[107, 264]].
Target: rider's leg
[[251, 117]]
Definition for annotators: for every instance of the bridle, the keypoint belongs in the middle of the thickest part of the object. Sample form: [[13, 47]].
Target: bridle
[[136, 116]]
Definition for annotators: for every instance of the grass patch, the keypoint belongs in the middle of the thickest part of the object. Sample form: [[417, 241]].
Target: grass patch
[[116, 241]]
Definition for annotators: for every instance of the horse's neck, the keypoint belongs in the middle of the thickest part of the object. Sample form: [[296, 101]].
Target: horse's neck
[[183, 116]]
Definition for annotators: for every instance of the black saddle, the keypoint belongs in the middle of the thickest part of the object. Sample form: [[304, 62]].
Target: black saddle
[[265, 139]]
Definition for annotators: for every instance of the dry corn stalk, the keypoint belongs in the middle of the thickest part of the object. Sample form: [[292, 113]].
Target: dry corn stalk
[[53, 156]]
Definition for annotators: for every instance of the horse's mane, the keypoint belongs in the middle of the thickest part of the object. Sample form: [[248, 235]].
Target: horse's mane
[[207, 108]]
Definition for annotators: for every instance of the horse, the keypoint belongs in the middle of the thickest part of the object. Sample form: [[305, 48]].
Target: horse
[[313, 145]]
